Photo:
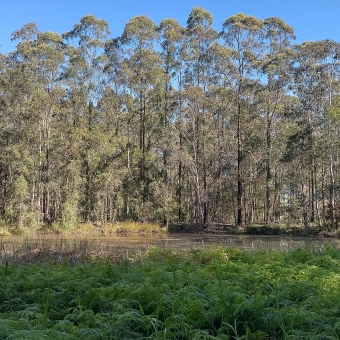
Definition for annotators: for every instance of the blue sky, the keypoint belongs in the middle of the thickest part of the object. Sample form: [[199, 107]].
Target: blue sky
[[311, 19]]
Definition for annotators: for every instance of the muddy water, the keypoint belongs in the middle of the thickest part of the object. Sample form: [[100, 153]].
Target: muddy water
[[176, 241]]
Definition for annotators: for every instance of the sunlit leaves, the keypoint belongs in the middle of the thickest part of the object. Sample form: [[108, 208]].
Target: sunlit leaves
[[212, 294]]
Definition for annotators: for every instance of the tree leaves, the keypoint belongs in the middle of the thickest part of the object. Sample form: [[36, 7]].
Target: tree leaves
[[170, 123]]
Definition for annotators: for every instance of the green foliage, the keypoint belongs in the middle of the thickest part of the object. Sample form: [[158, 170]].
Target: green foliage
[[139, 30], [89, 31], [199, 17], [218, 293], [169, 124]]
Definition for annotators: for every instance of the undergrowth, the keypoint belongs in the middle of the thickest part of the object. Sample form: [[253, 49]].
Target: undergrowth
[[87, 228], [219, 293]]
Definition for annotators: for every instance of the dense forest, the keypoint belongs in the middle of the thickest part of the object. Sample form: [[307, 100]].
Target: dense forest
[[170, 124]]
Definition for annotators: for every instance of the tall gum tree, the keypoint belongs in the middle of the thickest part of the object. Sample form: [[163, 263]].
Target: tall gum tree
[[41, 55], [221, 105], [15, 160], [171, 42], [244, 35], [145, 78], [316, 78], [197, 76], [22, 126], [86, 79], [115, 122], [277, 69]]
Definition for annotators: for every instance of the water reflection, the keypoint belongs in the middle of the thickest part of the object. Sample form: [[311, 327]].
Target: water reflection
[[178, 241]]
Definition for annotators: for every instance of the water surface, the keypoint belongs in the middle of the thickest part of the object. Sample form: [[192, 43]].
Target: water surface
[[176, 241]]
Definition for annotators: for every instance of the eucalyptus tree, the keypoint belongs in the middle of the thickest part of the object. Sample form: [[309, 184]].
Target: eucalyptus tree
[[200, 35], [146, 78], [316, 84], [171, 41], [244, 35], [4, 103], [277, 66], [221, 98], [7, 131], [51, 57], [17, 137], [328, 52], [115, 121], [85, 79], [35, 64], [197, 57]]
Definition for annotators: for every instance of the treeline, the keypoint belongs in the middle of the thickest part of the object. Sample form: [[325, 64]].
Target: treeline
[[170, 124]]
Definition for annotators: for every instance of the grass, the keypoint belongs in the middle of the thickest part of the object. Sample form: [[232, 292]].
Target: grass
[[86, 228], [78, 291], [132, 227], [72, 251]]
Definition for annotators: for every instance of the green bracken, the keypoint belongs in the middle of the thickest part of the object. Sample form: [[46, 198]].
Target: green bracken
[[219, 293]]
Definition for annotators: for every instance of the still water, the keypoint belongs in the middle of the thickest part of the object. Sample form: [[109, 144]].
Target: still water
[[178, 241]]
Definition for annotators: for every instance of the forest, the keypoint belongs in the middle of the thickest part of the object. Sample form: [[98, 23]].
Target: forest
[[170, 124]]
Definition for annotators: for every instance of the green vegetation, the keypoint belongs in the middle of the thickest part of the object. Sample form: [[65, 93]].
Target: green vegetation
[[170, 124], [219, 293], [126, 228]]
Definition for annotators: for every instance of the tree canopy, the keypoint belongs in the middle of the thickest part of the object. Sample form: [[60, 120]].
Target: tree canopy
[[170, 124]]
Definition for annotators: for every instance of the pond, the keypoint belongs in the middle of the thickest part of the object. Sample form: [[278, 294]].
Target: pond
[[174, 241]]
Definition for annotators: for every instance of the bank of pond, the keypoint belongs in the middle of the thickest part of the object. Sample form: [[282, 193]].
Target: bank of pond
[[148, 228], [162, 293]]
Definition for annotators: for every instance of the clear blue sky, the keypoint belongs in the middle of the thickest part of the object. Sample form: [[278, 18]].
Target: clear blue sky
[[311, 19]]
